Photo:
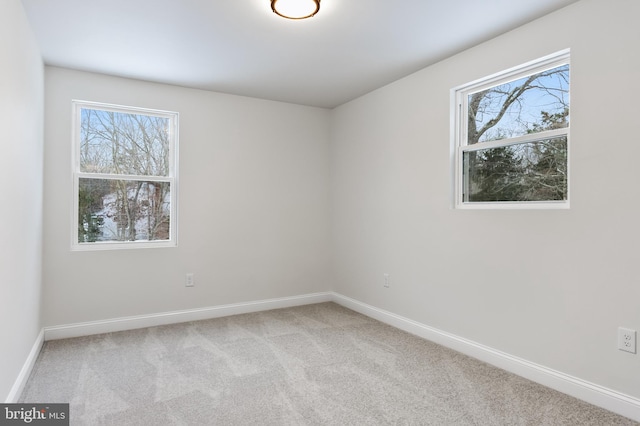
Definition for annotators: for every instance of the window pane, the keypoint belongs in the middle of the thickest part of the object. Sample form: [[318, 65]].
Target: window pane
[[523, 106], [533, 171], [123, 210], [121, 143]]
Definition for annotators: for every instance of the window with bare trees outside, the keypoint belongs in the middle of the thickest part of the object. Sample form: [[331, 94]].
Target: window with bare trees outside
[[511, 138], [125, 167]]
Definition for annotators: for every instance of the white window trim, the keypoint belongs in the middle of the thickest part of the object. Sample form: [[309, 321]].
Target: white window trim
[[458, 134], [77, 106]]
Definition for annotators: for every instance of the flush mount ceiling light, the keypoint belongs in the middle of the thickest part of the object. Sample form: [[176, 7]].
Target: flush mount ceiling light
[[295, 9]]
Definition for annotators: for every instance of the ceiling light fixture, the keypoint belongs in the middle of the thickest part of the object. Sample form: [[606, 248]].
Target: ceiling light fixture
[[295, 9]]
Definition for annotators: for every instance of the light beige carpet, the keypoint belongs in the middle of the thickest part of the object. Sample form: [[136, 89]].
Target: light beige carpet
[[310, 365]]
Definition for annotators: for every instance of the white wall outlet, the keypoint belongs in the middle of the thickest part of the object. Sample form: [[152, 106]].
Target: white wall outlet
[[387, 280], [189, 281], [627, 340]]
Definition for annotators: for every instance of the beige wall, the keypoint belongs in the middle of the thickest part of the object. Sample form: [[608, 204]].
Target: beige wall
[[21, 100], [252, 207], [551, 287]]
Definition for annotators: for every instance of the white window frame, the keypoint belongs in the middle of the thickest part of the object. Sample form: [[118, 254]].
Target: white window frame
[[459, 123], [172, 178]]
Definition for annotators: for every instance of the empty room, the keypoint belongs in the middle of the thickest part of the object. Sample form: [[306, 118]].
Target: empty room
[[310, 212]]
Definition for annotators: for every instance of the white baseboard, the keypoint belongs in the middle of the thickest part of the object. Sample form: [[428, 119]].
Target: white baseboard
[[25, 372], [608, 399], [174, 317]]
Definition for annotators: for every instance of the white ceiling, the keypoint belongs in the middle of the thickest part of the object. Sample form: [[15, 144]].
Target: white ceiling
[[240, 46]]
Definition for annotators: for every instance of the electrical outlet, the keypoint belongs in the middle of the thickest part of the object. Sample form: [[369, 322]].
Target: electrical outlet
[[189, 282], [627, 340], [387, 280]]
